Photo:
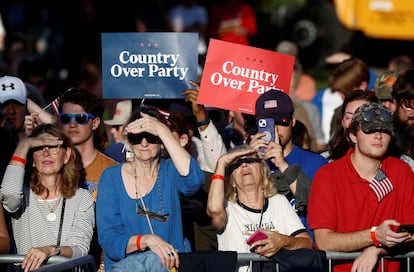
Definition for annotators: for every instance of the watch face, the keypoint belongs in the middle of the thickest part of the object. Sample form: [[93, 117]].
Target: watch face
[[57, 250]]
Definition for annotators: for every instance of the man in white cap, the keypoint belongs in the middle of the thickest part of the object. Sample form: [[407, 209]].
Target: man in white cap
[[13, 98], [117, 150]]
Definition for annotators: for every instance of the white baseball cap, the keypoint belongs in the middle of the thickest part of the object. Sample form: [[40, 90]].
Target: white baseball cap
[[12, 88], [122, 113]]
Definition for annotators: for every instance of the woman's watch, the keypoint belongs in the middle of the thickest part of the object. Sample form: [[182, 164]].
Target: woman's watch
[[57, 250]]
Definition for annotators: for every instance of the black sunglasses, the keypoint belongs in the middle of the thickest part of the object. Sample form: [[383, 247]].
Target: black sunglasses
[[159, 217], [135, 139], [239, 162], [371, 115], [80, 118]]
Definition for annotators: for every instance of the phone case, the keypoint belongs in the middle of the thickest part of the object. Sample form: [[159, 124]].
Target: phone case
[[256, 236], [266, 125]]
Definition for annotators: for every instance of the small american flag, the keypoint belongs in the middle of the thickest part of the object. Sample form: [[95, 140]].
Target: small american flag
[[270, 104], [381, 185]]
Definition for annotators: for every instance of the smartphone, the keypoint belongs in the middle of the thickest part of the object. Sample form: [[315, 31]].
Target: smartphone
[[266, 125], [256, 236], [406, 228]]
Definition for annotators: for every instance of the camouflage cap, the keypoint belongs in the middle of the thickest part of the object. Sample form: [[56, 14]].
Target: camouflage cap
[[383, 84], [373, 117]]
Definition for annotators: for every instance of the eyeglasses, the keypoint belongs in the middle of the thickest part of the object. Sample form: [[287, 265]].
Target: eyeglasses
[[135, 139], [239, 162], [159, 217], [80, 118], [40, 150], [407, 105], [372, 114]]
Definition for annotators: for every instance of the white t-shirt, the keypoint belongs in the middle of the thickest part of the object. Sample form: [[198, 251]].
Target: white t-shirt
[[330, 101], [242, 222]]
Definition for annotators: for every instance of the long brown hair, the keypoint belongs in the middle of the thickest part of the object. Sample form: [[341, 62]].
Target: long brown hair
[[69, 173]]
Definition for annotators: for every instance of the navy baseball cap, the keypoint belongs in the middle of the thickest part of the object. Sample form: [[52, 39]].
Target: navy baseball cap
[[275, 104]]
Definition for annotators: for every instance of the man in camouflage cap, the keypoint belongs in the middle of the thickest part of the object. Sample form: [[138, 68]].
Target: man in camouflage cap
[[369, 181], [383, 89], [373, 117]]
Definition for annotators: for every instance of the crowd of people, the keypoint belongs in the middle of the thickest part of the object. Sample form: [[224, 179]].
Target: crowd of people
[[140, 183]]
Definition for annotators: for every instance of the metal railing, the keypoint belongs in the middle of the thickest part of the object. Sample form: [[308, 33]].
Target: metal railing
[[331, 257], [56, 263], [87, 263]]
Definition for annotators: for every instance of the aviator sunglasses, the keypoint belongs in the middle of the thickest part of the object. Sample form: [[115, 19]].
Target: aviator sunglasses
[[135, 139], [371, 115], [159, 217], [80, 118]]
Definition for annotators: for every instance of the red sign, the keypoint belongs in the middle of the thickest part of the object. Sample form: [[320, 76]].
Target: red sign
[[235, 75]]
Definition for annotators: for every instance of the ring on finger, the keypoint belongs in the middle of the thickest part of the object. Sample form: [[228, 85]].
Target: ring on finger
[[171, 254]]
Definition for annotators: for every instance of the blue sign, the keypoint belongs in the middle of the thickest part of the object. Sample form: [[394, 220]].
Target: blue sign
[[148, 65]]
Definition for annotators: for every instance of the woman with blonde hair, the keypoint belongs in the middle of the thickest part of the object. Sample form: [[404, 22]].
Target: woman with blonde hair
[[243, 199]]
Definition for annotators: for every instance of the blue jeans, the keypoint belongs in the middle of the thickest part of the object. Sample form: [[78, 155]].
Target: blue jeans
[[146, 261]]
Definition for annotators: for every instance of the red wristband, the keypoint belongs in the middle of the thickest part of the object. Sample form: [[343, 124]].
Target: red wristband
[[217, 176], [139, 237], [374, 237], [18, 159]]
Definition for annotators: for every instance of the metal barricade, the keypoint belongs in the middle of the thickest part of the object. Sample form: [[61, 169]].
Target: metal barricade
[[56, 263], [331, 257]]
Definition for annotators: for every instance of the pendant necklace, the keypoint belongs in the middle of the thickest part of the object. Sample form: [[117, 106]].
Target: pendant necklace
[[51, 216]]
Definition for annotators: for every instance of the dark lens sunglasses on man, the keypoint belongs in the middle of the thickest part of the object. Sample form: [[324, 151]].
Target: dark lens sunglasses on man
[[135, 139], [80, 118]]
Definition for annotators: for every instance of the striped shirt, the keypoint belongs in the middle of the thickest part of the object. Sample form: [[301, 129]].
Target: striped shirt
[[30, 226]]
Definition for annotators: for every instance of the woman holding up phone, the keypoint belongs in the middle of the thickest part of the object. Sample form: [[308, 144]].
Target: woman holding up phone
[[243, 199]]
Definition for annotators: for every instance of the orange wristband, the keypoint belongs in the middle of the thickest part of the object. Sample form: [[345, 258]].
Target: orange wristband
[[139, 237], [217, 176], [18, 159], [374, 237]]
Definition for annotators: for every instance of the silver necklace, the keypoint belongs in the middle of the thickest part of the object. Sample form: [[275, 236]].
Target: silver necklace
[[51, 216]]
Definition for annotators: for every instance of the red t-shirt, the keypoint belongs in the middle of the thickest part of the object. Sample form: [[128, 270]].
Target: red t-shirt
[[342, 201]]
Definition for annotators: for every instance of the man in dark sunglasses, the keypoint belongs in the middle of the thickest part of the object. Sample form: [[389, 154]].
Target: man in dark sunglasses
[[357, 202], [81, 117]]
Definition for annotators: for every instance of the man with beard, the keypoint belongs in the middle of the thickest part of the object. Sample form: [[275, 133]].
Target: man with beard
[[403, 93]]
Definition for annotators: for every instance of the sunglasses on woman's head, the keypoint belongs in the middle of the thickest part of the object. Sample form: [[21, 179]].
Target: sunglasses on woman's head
[[80, 118], [135, 139]]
